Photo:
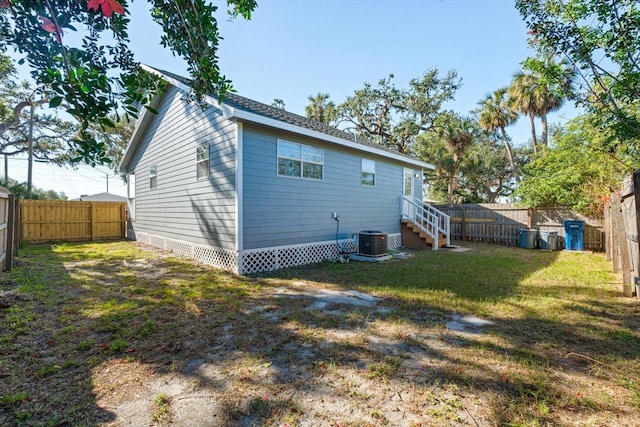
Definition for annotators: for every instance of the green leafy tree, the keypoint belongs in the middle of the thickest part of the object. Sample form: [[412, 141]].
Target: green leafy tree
[[578, 170], [496, 114], [599, 38], [321, 109], [95, 75], [485, 173], [25, 128], [279, 104], [444, 146], [394, 117], [20, 189], [114, 139]]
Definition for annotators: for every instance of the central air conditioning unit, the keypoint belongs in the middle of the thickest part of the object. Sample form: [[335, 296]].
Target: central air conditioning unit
[[372, 243]]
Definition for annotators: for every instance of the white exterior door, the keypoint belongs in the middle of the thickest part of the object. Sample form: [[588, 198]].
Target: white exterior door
[[408, 192]]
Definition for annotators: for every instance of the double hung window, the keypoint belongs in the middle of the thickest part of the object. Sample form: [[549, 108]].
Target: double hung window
[[299, 160]]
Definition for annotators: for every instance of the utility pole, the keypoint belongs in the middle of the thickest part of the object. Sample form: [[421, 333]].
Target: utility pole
[[30, 167]]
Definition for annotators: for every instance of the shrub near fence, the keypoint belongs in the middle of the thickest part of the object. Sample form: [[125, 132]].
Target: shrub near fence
[[54, 220], [500, 223]]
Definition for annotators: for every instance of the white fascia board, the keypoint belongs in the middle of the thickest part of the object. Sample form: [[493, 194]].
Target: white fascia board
[[133, 142], [256, 118], [227, 111]]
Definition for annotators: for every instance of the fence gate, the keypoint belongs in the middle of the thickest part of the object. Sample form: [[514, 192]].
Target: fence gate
[[51, 220]]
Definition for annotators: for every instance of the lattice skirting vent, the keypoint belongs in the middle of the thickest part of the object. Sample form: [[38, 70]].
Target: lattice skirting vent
[[225, 259], [256, 260]]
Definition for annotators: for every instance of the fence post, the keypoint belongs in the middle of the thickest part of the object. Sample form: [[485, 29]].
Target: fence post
[[123, 220], [464, 224], [93, 220], [607, 230], [636, 224], [11, 223], [18, 234], [627, 286]]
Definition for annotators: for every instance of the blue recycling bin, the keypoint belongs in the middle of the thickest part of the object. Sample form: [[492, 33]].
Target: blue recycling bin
[[573, 235]]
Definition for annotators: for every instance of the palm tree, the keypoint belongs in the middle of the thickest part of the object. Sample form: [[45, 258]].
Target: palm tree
[[540, 90], [527, 98], [321, 109], [457, 134], [495, 114]]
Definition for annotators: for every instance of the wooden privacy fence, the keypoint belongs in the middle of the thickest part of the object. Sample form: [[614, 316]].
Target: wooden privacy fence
[[7, 227], [622, 229], [51, 220], [500, 223]]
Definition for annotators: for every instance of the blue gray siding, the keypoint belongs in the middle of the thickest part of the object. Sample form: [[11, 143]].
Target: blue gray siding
[[282, 210], [183, 207]]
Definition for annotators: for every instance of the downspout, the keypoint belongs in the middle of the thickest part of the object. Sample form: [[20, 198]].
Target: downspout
[[239, 206]]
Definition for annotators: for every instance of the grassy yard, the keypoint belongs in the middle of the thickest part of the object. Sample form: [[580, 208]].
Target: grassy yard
[[116, 334]]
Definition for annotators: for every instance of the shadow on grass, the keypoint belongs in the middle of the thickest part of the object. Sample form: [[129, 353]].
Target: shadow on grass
[[100, 326]]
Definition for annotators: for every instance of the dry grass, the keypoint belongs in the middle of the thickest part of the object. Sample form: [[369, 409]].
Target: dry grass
[[112, 333]]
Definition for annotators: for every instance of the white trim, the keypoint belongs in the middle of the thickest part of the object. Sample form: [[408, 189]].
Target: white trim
[[239, 190], [266, 121], [362, 162], [301, 159], [143, 118], [227, 111], [208, 160]]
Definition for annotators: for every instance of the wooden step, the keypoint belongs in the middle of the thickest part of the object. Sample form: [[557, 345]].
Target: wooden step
[[414, 237]]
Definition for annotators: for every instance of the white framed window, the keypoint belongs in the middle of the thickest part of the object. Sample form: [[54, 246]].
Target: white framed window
[[368, 172], [299, 160], [407, 187], [153, 176], [202, 161]]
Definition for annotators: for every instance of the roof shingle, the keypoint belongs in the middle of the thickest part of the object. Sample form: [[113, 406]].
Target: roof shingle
[[249, 105]]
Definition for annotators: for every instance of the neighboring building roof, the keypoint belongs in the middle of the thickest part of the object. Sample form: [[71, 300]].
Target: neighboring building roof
[[102, 197], [239, 107]]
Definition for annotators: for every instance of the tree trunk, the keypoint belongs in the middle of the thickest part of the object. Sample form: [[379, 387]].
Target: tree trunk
[[534, 140], [545, 138], [450, 188], [507, 148], [30, 166]]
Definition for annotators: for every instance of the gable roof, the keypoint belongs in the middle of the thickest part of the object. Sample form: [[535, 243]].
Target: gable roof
[[102, 197], [244, 109]]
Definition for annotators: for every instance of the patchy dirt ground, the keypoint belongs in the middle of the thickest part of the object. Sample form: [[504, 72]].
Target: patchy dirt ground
[[128, 337]]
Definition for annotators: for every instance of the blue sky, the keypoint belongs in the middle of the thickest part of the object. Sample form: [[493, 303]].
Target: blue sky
[[291, 49]]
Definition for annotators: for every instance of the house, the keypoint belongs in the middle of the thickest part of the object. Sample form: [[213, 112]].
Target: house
[[248, 187], [101, 197]]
